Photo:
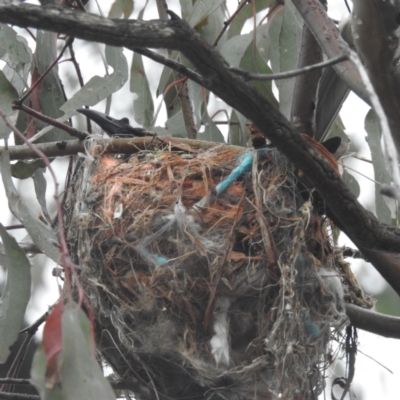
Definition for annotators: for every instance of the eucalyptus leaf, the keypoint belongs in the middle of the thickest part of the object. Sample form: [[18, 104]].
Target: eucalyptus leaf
[[211, 133], [39, 379], [143, 106], [238, 134], [16, 293], [201, 10], [25, 169], [186, 9], [289, 44], [80, 373], [197, 96], [382, 177], [233, 50], [176, 125], [210, 28], [40, 184], [41, 235], [49, 92], [7, 94], [235, 28], [14, 50], [351, 183], [254, 62], [121, 8], [98, 88]]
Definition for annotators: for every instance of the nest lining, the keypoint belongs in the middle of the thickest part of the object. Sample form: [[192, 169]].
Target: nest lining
[[210, 274]]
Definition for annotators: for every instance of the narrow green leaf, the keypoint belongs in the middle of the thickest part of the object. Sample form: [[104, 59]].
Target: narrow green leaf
[[289, 45], [121, 8], [236, 26], [143, 106], [351, 183], [211, 133], [254, 62], [50, 93], [176, 125], [379, 163], [40, 190], [274, 32], [233, 50], [14, 50], [238, 134], [24, 169], [98, 88], [210, 27], [197, 95], [41, 235], [38, 377], [80, 374], [16, 293], [201, 10], [7, 95], [186, 8]]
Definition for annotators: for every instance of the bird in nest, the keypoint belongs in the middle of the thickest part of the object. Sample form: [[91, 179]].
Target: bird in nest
[[114, 127]]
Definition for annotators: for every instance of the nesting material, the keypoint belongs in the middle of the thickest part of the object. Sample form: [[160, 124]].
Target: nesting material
[[210, 274]]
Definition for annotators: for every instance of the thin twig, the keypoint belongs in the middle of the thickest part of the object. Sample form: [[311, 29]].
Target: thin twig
[[32, 329], [229, 21], [194, 76], [250, 76], [17, 105], [18, 396], [24, 97], [11, 227], [15, 381]]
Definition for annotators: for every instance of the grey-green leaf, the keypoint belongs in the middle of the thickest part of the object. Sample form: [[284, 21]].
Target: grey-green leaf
[[253, 61], [382, 176], [16, 293], [80, 374], [14, 50], [7, 94], [202, 9], [351, 183], [41, 235], [238, 133], [247, 12], [211, 133], [98, 88], [40, 190], [38, 377], [176, 125], [121, 8], [25, 169], [143, 106], [289, 44], [50, 91]]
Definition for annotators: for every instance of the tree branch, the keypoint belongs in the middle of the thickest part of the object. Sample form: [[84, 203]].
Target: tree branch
[[371, 321], [110, 146], [342, 207], [288, 74]]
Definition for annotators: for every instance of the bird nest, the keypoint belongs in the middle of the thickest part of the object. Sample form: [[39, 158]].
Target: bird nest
[[210, 274]]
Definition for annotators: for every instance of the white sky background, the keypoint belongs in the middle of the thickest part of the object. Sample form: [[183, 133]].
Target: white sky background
[[372, 381]]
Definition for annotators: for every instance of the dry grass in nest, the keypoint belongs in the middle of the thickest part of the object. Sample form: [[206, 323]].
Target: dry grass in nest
[[203, 291]]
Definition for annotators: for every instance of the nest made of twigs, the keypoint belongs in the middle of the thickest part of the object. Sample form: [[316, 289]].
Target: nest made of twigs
[[210, 274]]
